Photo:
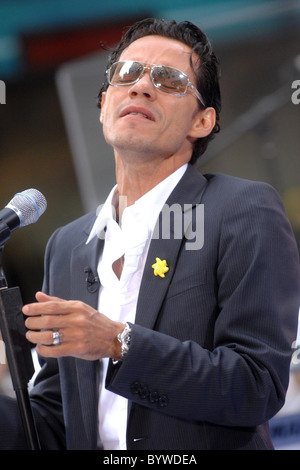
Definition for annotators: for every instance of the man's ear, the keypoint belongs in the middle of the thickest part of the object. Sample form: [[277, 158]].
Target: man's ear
[[102, 106], [203, 124]]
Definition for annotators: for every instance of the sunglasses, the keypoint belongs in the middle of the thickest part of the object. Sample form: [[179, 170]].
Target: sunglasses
[[163, 77]]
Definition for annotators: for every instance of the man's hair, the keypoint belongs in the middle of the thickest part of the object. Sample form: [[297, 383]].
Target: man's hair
[[206, 70]]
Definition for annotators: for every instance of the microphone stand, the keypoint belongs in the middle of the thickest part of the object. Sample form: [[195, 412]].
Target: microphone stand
[[18, 353]]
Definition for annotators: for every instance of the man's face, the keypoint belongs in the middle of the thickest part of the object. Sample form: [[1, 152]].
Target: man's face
[[169, 129]]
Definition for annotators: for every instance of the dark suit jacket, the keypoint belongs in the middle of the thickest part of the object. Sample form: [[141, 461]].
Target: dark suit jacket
[[208, 364]]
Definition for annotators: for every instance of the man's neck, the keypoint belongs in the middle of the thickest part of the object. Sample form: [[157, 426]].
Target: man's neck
[[136, 180]]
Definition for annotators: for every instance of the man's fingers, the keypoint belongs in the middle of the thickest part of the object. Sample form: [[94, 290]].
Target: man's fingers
[[45, 322], [42, 297], [50, 306]]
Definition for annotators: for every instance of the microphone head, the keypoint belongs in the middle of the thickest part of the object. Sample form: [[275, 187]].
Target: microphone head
[[29, 205]]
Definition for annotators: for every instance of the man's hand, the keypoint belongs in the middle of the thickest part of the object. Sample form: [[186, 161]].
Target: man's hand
[[84, 332]]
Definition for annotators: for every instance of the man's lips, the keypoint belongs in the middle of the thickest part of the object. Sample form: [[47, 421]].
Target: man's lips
[[137, 111]]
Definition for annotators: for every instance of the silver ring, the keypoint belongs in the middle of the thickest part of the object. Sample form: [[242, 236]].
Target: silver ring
[[57, 337]]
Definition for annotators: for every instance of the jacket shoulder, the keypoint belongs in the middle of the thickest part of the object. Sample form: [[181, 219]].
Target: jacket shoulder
[[66, 237], [228, 188], [78, 227], [233, 182]]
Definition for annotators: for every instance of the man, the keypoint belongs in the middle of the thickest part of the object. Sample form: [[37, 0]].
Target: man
[[148, 341]]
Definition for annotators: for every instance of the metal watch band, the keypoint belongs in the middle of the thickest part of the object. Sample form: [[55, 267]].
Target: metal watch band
[[124, 338]]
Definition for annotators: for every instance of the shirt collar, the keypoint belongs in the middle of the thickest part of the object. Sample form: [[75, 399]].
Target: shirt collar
[[105, 212], [150, 204]]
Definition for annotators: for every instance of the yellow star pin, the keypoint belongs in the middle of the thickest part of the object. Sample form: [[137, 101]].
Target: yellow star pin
[[160, 267]]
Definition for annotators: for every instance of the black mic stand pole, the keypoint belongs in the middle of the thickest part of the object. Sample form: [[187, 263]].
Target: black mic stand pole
[[18, 353]]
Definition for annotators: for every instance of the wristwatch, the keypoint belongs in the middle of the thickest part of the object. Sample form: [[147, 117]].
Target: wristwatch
[[124, 338]]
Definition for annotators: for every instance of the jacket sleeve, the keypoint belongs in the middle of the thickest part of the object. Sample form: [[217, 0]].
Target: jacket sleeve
[[242, 379]]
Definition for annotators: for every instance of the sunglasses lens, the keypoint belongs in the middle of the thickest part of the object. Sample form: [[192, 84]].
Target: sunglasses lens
[[165, 78], [170, 80], [124, 73]]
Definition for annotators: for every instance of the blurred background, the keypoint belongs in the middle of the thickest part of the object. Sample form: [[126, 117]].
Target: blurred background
[[52, 60]]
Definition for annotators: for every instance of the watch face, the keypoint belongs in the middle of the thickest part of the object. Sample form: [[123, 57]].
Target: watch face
[[127, 339]]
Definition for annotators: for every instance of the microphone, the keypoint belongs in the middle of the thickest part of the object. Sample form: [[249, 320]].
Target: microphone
[[25, 208], [92, 281]]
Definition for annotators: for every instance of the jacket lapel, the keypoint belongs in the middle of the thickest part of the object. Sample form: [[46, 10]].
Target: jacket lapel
[[153, 288], [85, 286]]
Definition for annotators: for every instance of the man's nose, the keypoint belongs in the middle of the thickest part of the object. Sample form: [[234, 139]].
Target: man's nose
[[143, 86]]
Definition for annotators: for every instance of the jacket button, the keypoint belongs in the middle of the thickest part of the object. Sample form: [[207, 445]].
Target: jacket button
[[143, 393], [163, 401], [153, 397], [135, 387]]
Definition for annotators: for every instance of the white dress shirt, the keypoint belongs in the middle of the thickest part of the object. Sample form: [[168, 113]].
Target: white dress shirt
[[118, 297]]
